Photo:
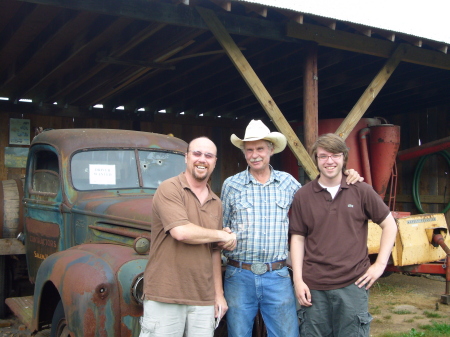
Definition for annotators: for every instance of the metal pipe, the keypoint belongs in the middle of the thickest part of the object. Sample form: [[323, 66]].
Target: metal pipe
[[439, 239], [365, 163], [422, 150]]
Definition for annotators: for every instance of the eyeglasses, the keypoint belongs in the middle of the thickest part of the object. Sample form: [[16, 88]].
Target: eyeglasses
[[324, 157], [207, 155]]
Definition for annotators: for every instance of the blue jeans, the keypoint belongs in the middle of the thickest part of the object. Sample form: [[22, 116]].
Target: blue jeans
[[272, 293]]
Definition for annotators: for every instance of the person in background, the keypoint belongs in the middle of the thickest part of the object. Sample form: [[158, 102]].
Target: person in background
[[329, 227], [183, 279], [256, 204]]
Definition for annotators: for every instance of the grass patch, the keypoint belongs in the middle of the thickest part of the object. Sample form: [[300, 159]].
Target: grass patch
[[412, 333], [436, 329], [433, 330], [376, 310], [431, 314], [402, 312], [384, 289], [409, 320]]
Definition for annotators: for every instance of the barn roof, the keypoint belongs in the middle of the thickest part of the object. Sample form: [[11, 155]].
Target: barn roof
[[158, 60]]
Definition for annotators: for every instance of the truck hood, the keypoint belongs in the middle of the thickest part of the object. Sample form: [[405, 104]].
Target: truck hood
[[122, 207]]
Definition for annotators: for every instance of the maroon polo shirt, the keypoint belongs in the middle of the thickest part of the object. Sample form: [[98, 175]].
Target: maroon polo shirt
[[335, 231]]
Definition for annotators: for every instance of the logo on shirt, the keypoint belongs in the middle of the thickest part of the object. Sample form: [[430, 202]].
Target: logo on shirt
[[350, 205]]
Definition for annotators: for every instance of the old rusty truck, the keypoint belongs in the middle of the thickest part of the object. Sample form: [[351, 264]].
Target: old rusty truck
[[85, 214]]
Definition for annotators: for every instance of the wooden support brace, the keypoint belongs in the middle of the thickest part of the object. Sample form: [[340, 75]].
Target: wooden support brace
[[371, 92], [258, 89]]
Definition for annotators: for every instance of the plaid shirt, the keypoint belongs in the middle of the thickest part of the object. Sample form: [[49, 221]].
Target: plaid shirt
[[258, 214]]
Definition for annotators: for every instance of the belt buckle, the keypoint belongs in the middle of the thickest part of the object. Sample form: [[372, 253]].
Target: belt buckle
[[258, 268]]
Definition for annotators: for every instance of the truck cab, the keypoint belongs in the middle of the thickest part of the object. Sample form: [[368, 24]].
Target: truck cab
[[87, 201]]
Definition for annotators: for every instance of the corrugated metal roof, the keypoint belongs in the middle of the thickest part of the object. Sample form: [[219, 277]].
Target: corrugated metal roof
[[425, 19]]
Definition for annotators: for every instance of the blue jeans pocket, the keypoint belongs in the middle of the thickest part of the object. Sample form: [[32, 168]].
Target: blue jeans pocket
[[283, 272], [230, 271]]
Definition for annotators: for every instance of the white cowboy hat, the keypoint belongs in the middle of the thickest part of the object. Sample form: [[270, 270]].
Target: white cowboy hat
[[256, 130]]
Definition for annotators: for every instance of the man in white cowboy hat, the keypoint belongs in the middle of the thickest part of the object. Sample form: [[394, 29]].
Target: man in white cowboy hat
[[255, 205]]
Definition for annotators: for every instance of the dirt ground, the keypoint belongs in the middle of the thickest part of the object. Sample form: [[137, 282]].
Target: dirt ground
[[400, 302], [397, 303]]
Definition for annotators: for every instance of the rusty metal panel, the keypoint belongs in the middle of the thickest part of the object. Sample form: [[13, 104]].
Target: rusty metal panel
[[89, 280], [70, 140]]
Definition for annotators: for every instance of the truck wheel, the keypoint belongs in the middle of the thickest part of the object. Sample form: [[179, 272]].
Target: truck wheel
[[59, 323]]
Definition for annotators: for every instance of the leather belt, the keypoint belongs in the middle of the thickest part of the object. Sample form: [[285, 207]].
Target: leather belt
[[258, 268]]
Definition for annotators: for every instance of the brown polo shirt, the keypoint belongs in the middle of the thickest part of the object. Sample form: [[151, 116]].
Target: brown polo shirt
[[335, 231], [178, 272]]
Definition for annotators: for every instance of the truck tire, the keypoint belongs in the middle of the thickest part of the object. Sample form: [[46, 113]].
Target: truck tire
[[11, 208], [59, 324]]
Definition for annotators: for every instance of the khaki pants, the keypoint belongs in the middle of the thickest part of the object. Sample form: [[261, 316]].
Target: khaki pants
[[176, 320]]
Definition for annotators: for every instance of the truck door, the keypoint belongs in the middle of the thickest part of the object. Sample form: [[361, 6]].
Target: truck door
[[42, 204]]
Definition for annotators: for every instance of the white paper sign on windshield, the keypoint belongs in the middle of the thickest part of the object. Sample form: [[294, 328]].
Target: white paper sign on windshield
[[102, 174]]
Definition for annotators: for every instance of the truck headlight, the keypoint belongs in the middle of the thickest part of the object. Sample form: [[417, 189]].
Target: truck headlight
[[137, 289]]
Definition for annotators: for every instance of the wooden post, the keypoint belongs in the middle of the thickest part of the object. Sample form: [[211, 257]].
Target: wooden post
[[310, 97], [258, 89], [371, 92]]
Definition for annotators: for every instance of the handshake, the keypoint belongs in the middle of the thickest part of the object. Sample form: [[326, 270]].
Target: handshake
[[229, 241]]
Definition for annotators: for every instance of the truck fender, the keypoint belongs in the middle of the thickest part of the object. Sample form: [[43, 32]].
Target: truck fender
[[86, 285]]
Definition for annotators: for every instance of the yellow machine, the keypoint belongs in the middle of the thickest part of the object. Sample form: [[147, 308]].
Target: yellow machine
[[422, 240]]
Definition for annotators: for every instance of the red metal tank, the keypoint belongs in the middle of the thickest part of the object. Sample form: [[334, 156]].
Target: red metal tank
[[383, 147], [289, 163]]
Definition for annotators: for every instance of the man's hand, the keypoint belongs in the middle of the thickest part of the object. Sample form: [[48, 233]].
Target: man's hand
[[222, 303], [303, 294], [353, 177], [230, 244], [371, 275]]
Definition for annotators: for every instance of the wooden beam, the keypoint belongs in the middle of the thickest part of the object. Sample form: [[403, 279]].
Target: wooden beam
[[310, 96], [258, 90], [136, 63], [367, 31], [11, 247], [371, 92], [424, 199], [414, 40], [390, 36], [224, 4], [291, 15], [258, 9], [330, 23]]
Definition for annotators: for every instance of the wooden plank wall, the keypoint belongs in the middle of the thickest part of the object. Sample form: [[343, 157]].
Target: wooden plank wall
[[434, 183]]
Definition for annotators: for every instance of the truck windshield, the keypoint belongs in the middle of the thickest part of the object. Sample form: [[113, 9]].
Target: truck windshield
[[114, 169]]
